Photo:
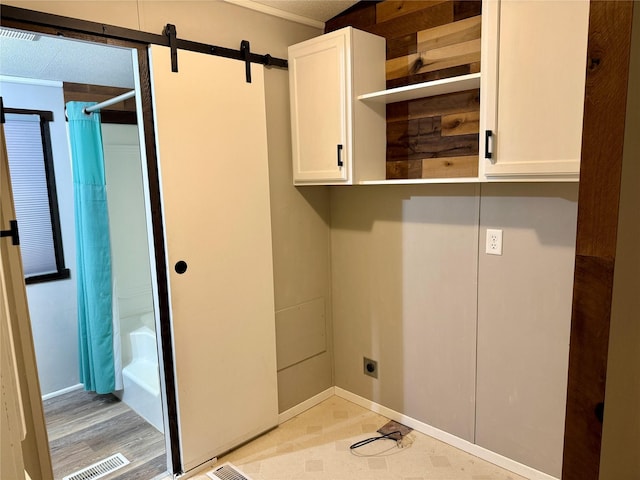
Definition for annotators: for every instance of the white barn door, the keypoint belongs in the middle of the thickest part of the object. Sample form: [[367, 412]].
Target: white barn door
[[212, 150]]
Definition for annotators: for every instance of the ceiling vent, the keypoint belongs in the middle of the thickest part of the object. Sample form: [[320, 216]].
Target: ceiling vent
[[18, 34]]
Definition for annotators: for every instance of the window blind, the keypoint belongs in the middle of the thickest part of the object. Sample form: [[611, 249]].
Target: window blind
[[30, 193]]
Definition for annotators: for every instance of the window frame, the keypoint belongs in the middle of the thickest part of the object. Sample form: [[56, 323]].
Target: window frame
[[62, 273]]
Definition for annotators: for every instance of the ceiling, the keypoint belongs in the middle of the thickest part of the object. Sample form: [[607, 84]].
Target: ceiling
[[320, 11], [55, 58]]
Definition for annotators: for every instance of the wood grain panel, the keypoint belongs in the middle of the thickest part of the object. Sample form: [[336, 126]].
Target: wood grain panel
[[466, 8], [428, 146], [405, 132], [462, 123], [393, 8], [421, 138], [450, 34], [450, 167], [434, 59], [427, 18], [602, 146], [123, 112], [401, 169], [401, 46], [96, 93], [587, 366], [362, 17], [603, 131], [428, 40], [434, 106]]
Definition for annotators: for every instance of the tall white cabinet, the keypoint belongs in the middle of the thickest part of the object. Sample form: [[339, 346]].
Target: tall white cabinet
[[533, 89]]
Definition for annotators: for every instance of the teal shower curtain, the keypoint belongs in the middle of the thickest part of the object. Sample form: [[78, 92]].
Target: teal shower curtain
[[93, 251]]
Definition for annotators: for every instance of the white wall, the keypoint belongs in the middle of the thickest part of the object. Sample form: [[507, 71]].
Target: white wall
[[130, 257], [52, 305]]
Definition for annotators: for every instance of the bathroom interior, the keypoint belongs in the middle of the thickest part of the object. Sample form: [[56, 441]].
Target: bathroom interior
[[53, 304]]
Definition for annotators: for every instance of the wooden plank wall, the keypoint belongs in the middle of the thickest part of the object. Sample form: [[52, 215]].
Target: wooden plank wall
[[435, 137], [608, 54], [123, 112]]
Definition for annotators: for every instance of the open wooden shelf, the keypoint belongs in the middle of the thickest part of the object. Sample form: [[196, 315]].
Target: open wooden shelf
[[426, 89], [416, 181]]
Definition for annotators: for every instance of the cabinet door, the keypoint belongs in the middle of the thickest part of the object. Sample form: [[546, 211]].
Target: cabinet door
[[320, 107], [540, 90], [212, 149]]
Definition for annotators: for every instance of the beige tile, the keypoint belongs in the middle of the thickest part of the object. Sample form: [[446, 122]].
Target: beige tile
[[315, 446], [314, 429], [314, 466], [377, 463], [440, 461]]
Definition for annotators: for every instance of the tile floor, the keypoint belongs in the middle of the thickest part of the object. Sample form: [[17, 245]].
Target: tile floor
[[315, 446]]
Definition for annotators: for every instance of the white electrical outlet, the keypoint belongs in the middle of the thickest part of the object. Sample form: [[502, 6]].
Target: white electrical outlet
[[494, 241]]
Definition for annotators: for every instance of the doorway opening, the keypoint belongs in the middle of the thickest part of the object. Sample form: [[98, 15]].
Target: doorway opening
[[41, 72]]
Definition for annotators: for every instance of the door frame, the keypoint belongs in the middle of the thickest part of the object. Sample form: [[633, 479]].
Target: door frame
[[29, 431], [155, 206], [30, 20]]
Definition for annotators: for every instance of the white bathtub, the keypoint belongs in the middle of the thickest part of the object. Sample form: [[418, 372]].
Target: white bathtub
[[141, 378]]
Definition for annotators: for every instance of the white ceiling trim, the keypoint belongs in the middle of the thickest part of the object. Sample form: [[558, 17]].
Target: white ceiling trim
[[30, 81], [259, 7]]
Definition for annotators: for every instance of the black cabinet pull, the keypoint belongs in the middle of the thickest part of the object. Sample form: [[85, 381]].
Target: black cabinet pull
[[488, 136], [340, 162], [181, 267]]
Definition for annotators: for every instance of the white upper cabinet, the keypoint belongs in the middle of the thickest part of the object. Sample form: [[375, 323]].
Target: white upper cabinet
[[532, 84], [337, 139], [532, 89]]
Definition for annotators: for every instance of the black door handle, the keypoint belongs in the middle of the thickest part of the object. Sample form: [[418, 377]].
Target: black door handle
[[180, 267]]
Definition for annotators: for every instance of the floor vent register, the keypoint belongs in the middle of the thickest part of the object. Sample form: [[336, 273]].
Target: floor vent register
[[100, 469], [227, 471]]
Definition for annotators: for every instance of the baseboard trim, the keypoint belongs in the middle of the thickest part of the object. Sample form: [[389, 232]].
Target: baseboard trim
[[306, 405], [445, 437], [62, 392]]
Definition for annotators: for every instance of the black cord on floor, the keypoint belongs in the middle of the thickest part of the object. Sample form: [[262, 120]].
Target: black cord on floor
[[373, 439]]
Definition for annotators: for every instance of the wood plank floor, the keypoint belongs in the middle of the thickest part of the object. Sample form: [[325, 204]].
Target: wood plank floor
[[85, 428]]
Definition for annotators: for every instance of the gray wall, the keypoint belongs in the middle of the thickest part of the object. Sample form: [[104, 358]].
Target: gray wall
[[404, 261], [412, 286], [524, 320]]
